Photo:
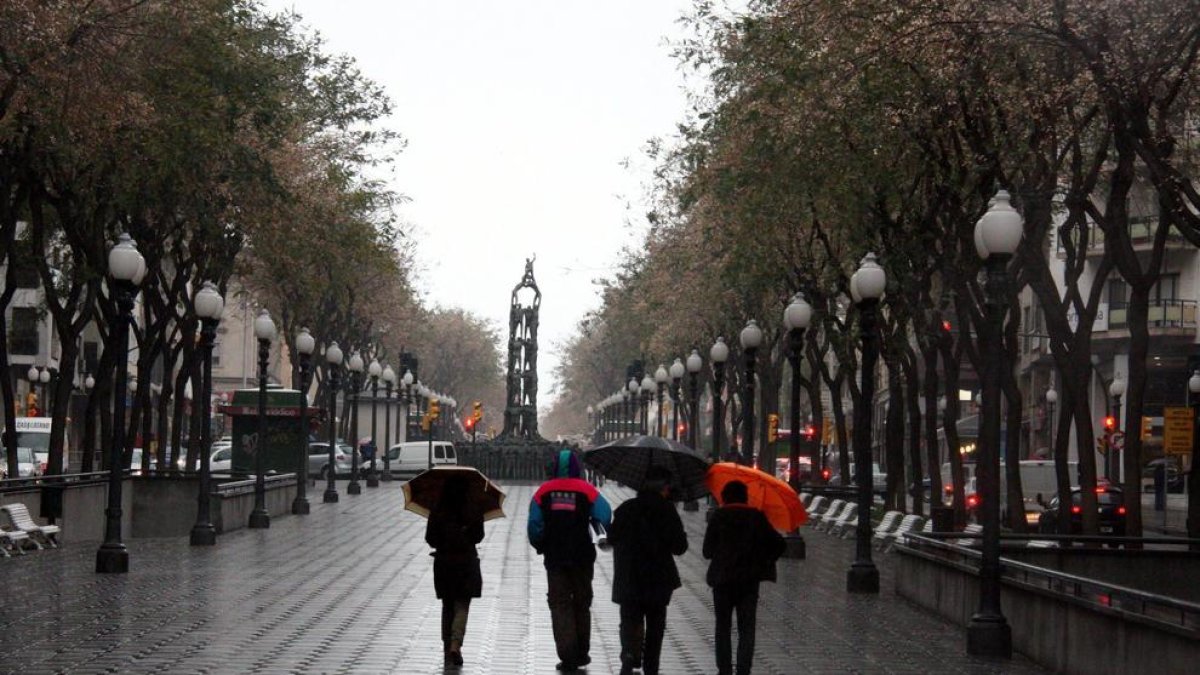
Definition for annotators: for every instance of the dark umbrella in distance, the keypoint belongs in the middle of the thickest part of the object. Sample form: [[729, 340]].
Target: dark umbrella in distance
[[627, 460]]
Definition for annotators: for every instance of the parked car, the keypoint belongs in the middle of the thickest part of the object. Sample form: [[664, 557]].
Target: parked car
[[318, 459], [1110, 506], [221, 460], [28, 465], [411, 458], [1175, 477]]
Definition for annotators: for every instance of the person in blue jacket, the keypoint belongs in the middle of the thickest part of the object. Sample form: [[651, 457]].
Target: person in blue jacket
[[561, 515]]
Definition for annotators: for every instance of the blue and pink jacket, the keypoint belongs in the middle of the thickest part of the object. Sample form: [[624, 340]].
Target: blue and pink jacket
[[561, 513]]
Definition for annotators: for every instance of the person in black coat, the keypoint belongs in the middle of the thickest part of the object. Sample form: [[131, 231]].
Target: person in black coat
[[645, 535], [743, 548], [455, 526]]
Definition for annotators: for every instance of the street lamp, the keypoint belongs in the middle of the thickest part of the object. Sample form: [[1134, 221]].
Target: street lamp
[[305, 346], [126, 267], [264, 330], [407, 381], [866, 287], [997, 235], [631, 404], [374, 371], [1051, 400], [676, 372], [333, 360], [355, 366], [693, 364], [208, 304], [389, 381], [660, 382], [718, 354], [796, 318], [1112, 470], [751, 338], [44, 378], [648, 387]]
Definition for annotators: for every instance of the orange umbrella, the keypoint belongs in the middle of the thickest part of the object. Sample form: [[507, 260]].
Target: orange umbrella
[[775, 498]]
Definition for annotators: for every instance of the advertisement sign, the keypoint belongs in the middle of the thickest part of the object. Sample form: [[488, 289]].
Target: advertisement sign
[[1177, 430]]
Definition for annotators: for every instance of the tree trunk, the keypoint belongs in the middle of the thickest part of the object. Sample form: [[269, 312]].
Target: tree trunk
[[1014, 413], [894, 438], [1135, 397], [950, 430], [929, 358], [912, 384]]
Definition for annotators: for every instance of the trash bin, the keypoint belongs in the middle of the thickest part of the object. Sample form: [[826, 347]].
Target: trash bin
[[285, 438], [943, 518]]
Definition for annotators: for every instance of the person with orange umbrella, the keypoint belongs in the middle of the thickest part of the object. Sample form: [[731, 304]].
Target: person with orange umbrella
[[743, 547]]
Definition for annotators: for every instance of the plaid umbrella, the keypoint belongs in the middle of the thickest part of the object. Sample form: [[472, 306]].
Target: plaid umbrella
[[421, 494], [626, 460]]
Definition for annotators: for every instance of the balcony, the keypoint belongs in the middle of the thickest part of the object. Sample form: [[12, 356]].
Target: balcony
[[1163, 314], [1141, 236]]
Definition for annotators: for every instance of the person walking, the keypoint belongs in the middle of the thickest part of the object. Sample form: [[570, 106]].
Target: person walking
[[455, 527], [743, 548], [645, 535], [559, 527]]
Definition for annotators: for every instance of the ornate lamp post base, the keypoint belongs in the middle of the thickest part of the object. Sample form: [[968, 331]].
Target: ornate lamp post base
[[354, 489], [862, 578], [300, 507], [989, 637], [796, 548], [373, 480], [112, 559], [204, 535], [260, 520], [331, 497], [387, 476]]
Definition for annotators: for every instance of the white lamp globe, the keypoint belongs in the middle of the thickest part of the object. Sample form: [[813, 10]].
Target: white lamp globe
[[408, 378], [647, 383], [694, 362], [89, 382], [44, 376], [751, 336], [124, 261], [1194, 382], [333, 354], [1051, 396], [660, 375], [305, 344], [868, 281], [208, 301], [719, 352], [1001, 227], [33, 373], [264, 327], [798, 313], [633, 385], [1117, 388], [356, 363], [677, 369], [374, 370], [388, 375]]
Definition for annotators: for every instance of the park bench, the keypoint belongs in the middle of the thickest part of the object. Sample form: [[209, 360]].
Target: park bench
[[21, 520], [885, 540], [827, 517], [889, 521], [815, 506], [14, 540], [850, 513]]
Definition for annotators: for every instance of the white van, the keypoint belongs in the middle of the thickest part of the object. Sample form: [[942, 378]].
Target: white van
[[34, 433], [412, 457]]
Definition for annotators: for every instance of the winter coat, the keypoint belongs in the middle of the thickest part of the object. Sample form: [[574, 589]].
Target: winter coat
[[453, 536], [742, 546], [560, 517], [645, 535]]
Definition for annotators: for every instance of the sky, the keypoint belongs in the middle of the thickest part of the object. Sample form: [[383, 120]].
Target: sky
[[525, 123]]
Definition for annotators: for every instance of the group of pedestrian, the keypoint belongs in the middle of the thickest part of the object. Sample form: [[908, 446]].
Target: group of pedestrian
[[645, 533]]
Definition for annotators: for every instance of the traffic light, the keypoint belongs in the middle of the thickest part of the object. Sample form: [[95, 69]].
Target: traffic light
[[825, 474], [477, 412], [434, 409], [809, 433], [772, 428], [1110, 424], [469, 424], [1147, 427]]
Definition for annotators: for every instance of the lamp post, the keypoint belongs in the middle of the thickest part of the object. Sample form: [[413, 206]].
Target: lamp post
[[751, 339], [693, 365], [126, 267], [718, 354], [389, 381], [1193, 481], [407, 381], [44, 378], [305, 346], [676, 372], [997, 235], [374, 371], [796, 318], [34, 375], [648, 387], [1112, 470], [209, 305], [1051, 400], [660, 384], [333, 360], [355, 366], [264, 330], [866, 287], [631, 390]]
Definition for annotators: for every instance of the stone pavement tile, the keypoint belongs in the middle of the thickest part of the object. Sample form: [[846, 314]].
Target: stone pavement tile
[[349, 589]]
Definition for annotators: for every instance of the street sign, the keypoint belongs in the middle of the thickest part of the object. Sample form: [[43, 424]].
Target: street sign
[[1177, 430]]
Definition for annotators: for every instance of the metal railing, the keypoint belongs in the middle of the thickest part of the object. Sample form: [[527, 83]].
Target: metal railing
[[13, 484], [1169, 313], [1160, 610]]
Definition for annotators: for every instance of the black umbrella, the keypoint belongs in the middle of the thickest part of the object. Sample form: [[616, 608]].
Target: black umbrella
[[627, 460]]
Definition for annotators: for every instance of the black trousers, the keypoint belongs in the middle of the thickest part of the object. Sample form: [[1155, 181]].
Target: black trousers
[[570, 598], [743, 598], [642, 628]]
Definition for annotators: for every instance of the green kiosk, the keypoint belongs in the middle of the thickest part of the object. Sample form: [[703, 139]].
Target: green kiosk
[[285, 438]]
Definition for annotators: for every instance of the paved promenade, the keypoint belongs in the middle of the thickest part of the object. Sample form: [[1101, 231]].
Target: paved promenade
[[349, 589]]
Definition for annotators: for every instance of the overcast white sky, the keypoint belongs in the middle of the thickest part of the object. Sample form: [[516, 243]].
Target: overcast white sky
[[518, 116]]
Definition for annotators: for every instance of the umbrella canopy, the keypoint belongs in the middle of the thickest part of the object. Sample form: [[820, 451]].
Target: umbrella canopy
[[775, 498], [627, 460], [421, 494]]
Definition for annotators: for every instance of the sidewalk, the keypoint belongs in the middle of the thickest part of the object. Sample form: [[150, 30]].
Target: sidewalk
[[348, 589]]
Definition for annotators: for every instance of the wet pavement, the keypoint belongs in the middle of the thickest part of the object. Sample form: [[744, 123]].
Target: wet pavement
[[349, 589]]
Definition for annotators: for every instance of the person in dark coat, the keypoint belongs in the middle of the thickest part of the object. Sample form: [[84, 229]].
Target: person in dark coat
[[743, 548], [645, 535], [561, 514], [455, 527]]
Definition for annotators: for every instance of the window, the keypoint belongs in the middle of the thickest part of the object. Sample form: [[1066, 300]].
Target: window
[[439, 452], [1118, 294], [1166, 289], [23, 333]]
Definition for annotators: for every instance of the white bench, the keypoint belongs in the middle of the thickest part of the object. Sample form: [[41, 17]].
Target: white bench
[[907, 524], [14, 540], [815, 506], [850, 513], [836, 507], [39, 534], [888, 522]]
